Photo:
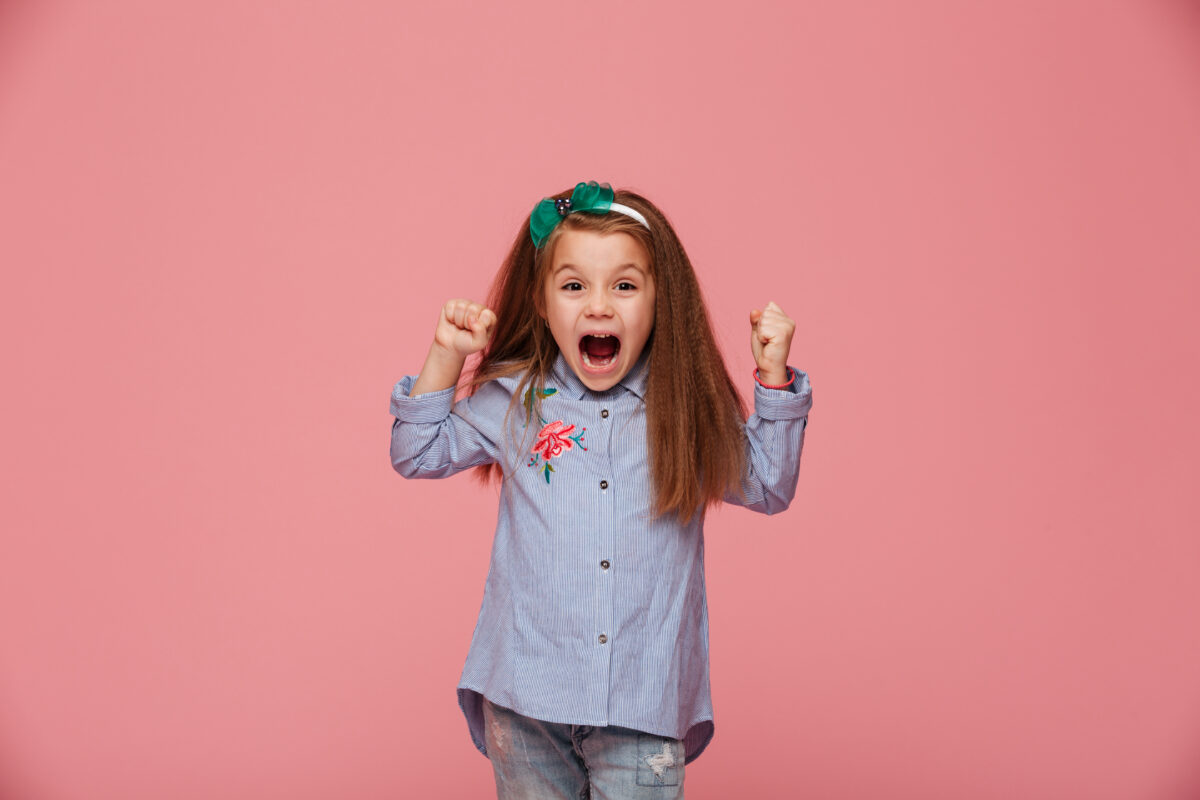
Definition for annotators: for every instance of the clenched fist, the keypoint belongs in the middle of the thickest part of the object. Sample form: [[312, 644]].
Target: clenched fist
[[464, 327], [770, 341]]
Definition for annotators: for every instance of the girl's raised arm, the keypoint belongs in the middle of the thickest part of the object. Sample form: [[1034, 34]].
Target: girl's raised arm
[[432, 437], [775, 431]]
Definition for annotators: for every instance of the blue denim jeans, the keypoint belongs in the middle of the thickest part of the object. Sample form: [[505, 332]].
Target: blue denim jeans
[[535, 760]]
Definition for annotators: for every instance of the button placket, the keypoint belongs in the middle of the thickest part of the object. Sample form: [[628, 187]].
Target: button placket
[[604, 543]]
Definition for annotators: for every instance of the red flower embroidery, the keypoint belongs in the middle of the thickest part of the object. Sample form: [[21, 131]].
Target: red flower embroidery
[[553, 439]]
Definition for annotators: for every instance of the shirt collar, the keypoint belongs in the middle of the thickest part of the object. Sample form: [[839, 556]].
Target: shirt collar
[[569, 383]]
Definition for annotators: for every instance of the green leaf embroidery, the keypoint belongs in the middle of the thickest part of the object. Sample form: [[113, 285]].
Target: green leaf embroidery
[[529, 394]]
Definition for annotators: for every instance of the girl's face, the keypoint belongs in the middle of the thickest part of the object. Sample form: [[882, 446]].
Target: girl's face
[[600, 304]]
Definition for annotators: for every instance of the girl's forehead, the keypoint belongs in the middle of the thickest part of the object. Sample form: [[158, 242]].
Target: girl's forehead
[[591, 250]]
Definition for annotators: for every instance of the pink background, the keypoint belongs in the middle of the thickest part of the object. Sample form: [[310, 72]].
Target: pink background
[[226, 228]]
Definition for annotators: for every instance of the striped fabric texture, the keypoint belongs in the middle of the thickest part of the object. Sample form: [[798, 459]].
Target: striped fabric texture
[[593, 612]]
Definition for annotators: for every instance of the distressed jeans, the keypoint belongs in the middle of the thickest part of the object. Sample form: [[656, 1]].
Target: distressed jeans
[[535, 760]]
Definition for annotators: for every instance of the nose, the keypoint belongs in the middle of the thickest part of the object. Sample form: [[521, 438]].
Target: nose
[[598, 304]]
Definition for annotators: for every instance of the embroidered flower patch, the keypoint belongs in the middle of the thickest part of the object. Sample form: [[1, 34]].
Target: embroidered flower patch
[[552, 440]]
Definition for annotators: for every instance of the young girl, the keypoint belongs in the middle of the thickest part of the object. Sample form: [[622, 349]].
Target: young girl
[[603, 405]]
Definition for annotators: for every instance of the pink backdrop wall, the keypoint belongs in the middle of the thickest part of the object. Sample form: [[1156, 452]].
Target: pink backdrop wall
[[225, 230]]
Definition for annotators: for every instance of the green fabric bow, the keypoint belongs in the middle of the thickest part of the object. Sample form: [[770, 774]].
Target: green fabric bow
[[592, 197]]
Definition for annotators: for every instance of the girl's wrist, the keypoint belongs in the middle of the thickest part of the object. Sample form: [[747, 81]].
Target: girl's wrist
[[442, 369], [774, 380], [444, 353]]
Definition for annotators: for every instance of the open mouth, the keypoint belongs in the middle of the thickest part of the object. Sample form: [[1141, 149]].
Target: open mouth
[[599, 350]]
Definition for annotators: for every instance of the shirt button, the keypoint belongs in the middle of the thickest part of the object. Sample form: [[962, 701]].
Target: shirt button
[[603, 485], [602, 639], [604, 413], [604, 564]]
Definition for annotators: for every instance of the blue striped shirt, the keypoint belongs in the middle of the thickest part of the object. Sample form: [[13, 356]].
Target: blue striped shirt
[[593, 612]]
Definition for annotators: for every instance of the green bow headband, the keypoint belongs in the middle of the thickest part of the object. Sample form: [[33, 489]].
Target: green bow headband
[[592, 197]]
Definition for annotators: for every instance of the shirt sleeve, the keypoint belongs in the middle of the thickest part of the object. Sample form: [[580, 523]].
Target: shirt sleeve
[[774, 440], [434, 437]]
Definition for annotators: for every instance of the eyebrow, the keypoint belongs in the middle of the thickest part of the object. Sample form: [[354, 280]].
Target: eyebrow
[[621, 268]]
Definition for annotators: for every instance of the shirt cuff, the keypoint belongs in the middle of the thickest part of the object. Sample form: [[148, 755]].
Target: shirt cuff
[[791, 402], [429, 407]]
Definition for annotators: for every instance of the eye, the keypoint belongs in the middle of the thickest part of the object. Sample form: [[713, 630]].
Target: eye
[[626, 286], [572, 286]]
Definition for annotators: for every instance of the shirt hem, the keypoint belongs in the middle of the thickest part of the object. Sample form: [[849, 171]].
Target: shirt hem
[[696, 738]]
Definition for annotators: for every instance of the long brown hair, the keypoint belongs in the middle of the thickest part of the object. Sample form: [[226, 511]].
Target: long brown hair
[[694, 414]]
